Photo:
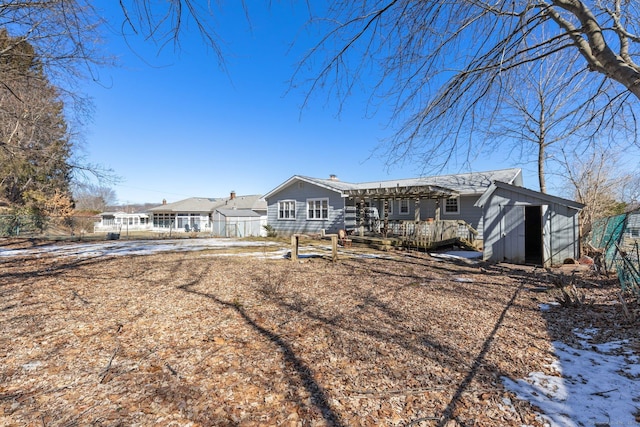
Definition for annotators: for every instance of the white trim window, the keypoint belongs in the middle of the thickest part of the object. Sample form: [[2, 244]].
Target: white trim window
[[403, 206], [452, 205], [317, 209], [287, 209]]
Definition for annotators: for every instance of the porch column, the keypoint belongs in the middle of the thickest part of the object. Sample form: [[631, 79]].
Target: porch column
[[386, 216], [416, 210], [360, 214]]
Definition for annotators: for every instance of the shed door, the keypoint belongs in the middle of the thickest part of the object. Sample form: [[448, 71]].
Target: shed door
[[513, 234], [533, 235]]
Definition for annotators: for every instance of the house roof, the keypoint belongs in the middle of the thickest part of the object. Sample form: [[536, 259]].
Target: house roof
[[192, 204], [464, 183], [252, 202], [434, 186], [527, 192], [207, 205], [122, 214], [244, 213]]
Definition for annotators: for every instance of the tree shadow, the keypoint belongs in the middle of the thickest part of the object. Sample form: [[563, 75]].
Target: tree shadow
[[318, 395]]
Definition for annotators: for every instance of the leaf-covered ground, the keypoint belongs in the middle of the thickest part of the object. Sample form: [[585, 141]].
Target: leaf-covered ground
[[192, 338]]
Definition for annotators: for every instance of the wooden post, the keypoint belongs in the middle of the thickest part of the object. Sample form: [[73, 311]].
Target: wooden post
[[295, 240], [334, 247], [360, 213], [386, 217]]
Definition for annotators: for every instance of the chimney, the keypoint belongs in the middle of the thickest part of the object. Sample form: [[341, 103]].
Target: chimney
[[233, 195], [333, 177], [164, 201]]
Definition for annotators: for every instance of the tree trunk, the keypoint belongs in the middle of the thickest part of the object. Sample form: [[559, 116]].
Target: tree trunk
[[541, 179]]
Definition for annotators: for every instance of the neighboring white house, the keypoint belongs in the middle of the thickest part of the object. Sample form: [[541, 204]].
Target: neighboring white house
[[116, 222], [196, 214]]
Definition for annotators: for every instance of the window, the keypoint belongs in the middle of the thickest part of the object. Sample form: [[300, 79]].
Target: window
[[633, 232], [452, 205], [317, 209], [404, 207], [287, 209], [163, 220]]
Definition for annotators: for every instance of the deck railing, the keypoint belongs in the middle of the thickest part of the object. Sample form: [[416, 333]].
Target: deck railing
[[426, 233]]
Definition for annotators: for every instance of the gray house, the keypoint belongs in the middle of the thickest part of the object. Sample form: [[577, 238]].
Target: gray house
[[526, 226], [310, 205]]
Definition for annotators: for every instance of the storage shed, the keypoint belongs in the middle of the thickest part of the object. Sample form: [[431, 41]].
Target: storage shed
[[524, 226], [238, 223]]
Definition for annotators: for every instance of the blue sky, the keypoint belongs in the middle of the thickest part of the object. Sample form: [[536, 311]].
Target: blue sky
[[174, 125]]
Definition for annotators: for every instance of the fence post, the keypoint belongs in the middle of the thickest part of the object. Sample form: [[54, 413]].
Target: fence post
[[295, 240], [334, 247]]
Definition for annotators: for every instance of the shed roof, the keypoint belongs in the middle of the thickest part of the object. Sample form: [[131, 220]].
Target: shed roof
[[243, 213], [527, 192]]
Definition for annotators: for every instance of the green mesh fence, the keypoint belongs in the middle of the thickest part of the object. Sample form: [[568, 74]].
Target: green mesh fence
[[40, 226], [620, 254]]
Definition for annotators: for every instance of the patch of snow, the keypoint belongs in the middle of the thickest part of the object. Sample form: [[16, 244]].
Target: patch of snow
[[133, 247], [457, 255], [547, 306], [595, 385], [32, 366]]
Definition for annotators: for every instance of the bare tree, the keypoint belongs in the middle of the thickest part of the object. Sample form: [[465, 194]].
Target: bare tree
[[631, 191], [65, 35], [544, 106], [92, 197], [442, 65], [597, 183]]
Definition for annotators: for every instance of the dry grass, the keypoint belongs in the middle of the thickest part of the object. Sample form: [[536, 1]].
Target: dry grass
[[194, 339]]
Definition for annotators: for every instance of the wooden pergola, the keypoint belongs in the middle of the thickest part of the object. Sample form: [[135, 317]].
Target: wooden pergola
[[415, 192]]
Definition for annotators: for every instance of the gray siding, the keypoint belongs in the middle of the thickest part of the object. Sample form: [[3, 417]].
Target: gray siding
[[504, 221], [469, 213], [301, 191]]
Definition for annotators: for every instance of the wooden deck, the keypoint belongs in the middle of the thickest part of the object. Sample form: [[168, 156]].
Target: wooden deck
[[423, 235]]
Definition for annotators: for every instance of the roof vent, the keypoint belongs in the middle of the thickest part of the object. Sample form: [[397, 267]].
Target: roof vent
[[333, 177]]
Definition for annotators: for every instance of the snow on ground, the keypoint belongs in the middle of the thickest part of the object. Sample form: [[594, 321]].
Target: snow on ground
[[595, 385], [132, 247], [274, 250], [457, 255]]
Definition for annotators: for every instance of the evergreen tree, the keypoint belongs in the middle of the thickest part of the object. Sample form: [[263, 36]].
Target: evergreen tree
[[34, 142]]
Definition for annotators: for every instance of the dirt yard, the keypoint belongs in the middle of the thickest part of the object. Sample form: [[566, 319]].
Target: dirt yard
[[195, 339]]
